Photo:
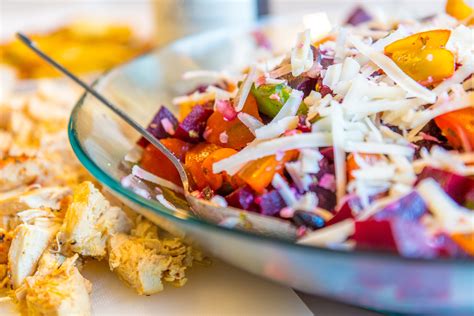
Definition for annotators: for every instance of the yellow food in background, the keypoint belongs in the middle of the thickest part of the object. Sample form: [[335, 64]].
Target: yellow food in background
[[82, 47]]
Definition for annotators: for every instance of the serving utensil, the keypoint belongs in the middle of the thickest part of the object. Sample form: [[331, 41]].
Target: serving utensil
[[229, 216]]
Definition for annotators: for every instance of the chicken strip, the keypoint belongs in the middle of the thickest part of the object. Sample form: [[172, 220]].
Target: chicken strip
[[89, 221], [28, 244], [58, 289]]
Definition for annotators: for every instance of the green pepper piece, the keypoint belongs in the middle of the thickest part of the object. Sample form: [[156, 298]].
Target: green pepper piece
[[271, 107]]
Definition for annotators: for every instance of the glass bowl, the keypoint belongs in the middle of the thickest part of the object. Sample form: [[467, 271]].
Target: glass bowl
[[375, 280]]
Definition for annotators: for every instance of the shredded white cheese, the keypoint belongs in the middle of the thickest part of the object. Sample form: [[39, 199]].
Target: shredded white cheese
[[275, 129], [233, 163], [251, 122], [394, 72], [284, 189], [337, 123], [449, 215], [244, 90], [302, 54], [148, 176], [336, 233], [378, 148], [290, 108]]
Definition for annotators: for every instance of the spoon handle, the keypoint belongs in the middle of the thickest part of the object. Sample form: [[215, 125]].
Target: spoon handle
[[140, 129]]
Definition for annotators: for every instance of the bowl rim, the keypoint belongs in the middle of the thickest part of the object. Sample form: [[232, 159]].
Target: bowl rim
[[104, 178]]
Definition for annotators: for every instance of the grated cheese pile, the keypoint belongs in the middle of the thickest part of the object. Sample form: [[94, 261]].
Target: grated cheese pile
[[349, 98]]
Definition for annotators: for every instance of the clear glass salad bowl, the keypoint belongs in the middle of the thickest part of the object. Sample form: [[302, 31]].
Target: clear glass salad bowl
[[373, 280]]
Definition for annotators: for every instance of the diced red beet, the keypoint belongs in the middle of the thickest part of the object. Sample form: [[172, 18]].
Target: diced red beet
[[156, 125], [302, 83], [408, 238], [458, 187], [322, 58], [326, 198], [303, 125], [193, 125], [347, 210], [243, 198], [373, 234], [328, 153], [358, 16], [323, 89], [271, 203], [409, 207]]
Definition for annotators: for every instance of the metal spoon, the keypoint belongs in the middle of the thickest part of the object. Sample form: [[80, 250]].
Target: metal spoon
[[217, 214]]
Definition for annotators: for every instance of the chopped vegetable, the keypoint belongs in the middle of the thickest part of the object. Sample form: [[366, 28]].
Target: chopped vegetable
[[458, 9], [258, 174], [458, 128], [163, 125], [215, 181], [237, 135], [193, 163], [157, 163], [423, 57], [192, 127]]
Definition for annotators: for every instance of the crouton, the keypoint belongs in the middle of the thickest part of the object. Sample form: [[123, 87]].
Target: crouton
[[62, 291]]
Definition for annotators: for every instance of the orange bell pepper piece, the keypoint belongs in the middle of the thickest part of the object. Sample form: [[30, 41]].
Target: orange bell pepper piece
[[418, 41], [214, 180], [458, 9], [258, 174], [237, 135], [423, 57], [351, 163], [155, 162], [193, 163], [458, 128], [465, 241], [428, 66]]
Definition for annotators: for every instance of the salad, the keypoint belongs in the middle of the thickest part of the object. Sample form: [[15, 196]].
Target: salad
[[362, 138]]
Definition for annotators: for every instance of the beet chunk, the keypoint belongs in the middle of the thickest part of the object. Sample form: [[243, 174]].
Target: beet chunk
[[156, 127], [191, 128]]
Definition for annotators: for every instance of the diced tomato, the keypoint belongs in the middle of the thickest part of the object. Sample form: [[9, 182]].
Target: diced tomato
[[157, 163], [258, 174], [351, 163], [465, 241], [458, 9], [193, 163], [458, 128], [215, 181], [232, 134], [419, 41]]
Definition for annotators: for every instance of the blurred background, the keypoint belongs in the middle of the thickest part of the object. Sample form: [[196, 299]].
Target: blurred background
[[121, 29]]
